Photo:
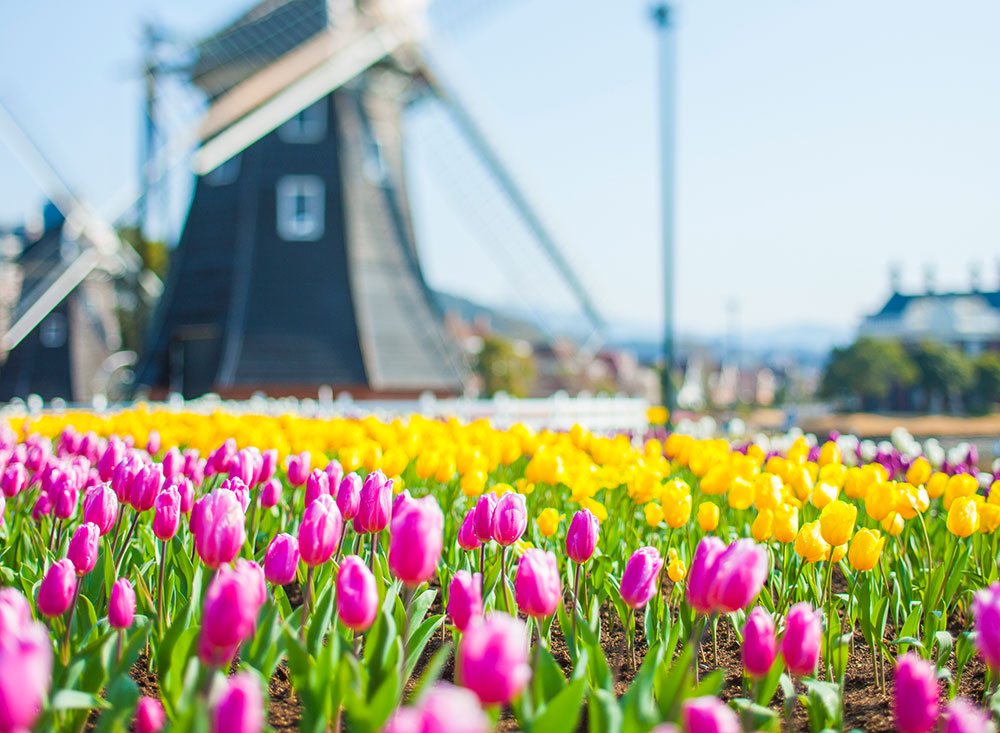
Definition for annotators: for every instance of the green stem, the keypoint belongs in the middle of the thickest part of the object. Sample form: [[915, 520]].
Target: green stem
[[69, 621]]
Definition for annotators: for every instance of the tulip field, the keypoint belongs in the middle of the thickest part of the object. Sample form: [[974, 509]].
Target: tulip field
[[171, 570]]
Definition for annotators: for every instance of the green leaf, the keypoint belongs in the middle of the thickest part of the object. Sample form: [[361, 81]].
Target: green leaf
[[604, 715], [431, 673], [418, 640], [562, 712], [77, 700]]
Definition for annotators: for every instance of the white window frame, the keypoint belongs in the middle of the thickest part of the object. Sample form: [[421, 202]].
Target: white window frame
[[224, 173], [308, 126], [307, 224]]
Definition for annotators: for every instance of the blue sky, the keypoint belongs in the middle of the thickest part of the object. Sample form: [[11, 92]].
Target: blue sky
[[817, 141]]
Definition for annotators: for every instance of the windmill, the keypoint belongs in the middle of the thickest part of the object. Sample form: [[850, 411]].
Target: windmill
[[297, 265]]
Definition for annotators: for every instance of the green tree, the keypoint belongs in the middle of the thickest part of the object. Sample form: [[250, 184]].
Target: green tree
[[985, 390], [867, 371], [504, 367], [944, 372]]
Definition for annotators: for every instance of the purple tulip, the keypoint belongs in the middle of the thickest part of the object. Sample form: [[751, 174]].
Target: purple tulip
[[357, 594], [581, 538], [55, 594], [510, 519], [639, 579], [760, 646], [537, 587], [465, 599], [121, 607], [416, 541], [800, 644], [493, 658], [915, 699], [282, 559]]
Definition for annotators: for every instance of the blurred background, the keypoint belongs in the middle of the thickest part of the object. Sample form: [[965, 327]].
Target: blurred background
[[471, 197]]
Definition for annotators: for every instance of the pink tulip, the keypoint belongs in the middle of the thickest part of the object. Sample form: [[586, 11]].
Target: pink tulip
[[465, 599], [66, 498], [320, 530], [125, 472], [986, 621], [739, 576], [405, 720], [84, 547], [186, 490], [375, 508], [581, 538], [537, 587], [246, 465], [42, 507], [467, 538], [270, 493], [55, 594], [230, 610], [760, 646], [317, 485], [400, 502], [335, 472], [240, 490], [282, 559], [915, 698], [100, 506], [639, 579], [192, 464], [145, 488], [961, 716], [149, 716], [357, 594], [416, 541], [153, 443], [449, 709], [109, 460], [15, 612], [25, 675], [485, 507], [167, 519], [173, 463], [709, 715], [240, 709], [298, 468], [701, 576], [349, 496], [38, 455], [15, 478], [800, 644], [268, 464], [121, 607], [220, 527], [220, 459], [493, 658], [510, 519]]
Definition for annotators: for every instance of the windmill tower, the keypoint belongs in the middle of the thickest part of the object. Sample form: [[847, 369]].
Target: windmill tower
[[297, 265]]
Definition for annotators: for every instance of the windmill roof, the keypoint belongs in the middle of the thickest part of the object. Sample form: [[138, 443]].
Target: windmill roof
[[899, 302]]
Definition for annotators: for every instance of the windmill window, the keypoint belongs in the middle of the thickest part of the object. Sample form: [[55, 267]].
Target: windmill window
[[225, 173], [300, 208], [52, 332], [308, 126]]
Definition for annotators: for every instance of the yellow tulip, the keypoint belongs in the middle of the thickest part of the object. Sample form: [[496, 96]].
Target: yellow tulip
[[936, 484], [959, 485], [548, 521], [994, 496], [596, 508], [800, 481], [427, 463], [472, 484], [836, 522], [892, 524], [919, 472], [785, 526], [963, 519], [866, 547], [768, 491], [834, 474], [740, 494], [911, 499], [823, 494], [881, 500], [810, 545], [677, 510], [676, 570], [989, 517], [838, 553], [717, 480], [708, 516], [829, 453], [762, 525], [501, 489], [853, 483], [654, 514]]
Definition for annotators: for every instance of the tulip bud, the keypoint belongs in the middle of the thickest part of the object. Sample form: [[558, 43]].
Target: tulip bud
[[42, 507], [84, 547], [230, 610], [149, 716], [236, 486], [581, 538], [836, 522], [866, 547], [153, 443], [510, 519], [537, 587], [145, 488], [760, 646], [702, 573], [465, 599], [493, 658], [55, 594], [416, 541], [708, 516], [240, 709], [639, 579], [100, 506], [282, 559], [167, 518], [800, 644], [217, 521], [109, 460], [246, 465], [349, 496], [915, 700], [467, 538], [220, 459], [375, 508], [320, 531], [986, 621], [67, 497], [709, 715], [270, 493], [739, 575], [485, 508], [15, 478], [298, 468], [357, 594], [335, 472], [124, 474], [317, 485], [121, 607]]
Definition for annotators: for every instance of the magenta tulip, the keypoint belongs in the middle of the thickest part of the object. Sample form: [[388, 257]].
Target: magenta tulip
[[268, 464], [100, 506], [416, 541], [485, 507], [281, 559], [15, 612], [800, 644], [298, 468], [915, 699], [230, 610], [357, 594], [173, 463], [153, 443], [145, 487], [15, 478], [240, 490], [246, 465], [493, 658], [186, 490], [701, 576], [167, 517], [25, 675], [335, 472], [639, 579], [67, 496], [465, 599], [986, 621], [709, 714], [961, 716], [400, 502], [467, 538], [84, 547], [739, 576], [320, 531], [55, 594], [149, 716], [125, 472], [450, 709], [581, 538], [537, 587], [510, 519], [110, 458], [42, 507], [220, 459], [317, 485], [349, 496], [270, 493], [240, 709], [220, 527], [760, 646], [121, 607], [375, 508]]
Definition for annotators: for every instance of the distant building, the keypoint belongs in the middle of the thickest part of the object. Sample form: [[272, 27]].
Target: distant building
[[968, 320]]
